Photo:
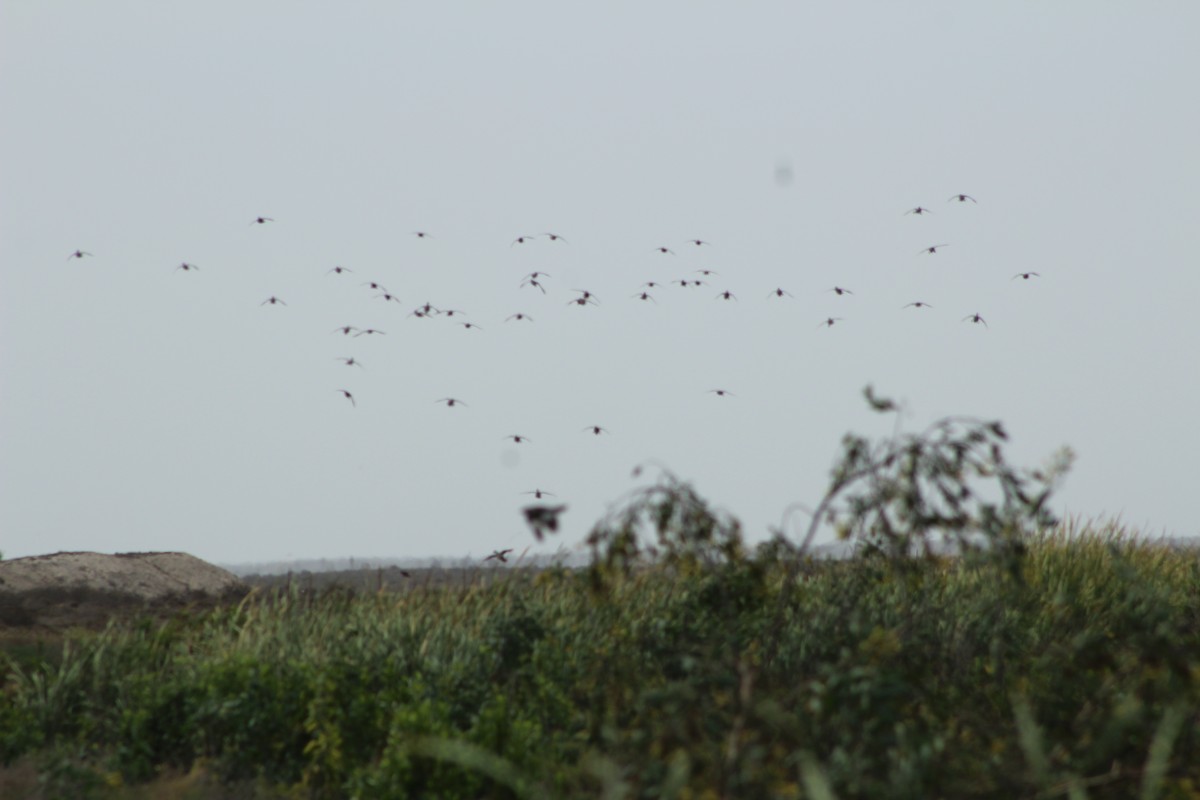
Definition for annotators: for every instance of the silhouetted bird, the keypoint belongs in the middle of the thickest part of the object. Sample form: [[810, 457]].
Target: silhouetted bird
[[918, 210], [542, 519], [1025, 275], [975, 318], [78, 254], [962, 198], [500, 555], [261, 220], [348, 396], [932, 248], [186, 267], [918, 304], [273, 300]]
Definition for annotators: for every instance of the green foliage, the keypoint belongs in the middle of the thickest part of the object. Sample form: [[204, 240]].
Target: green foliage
[[1046, 661]]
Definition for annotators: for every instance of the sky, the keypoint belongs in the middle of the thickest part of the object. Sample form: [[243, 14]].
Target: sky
[[146, 407]]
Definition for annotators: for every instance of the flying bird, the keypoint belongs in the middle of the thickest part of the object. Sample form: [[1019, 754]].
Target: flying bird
[[344, 330], [962, 198], [917, 304], [554, 237], [348, 396], [932, 248], [517, 438], [1025, 275], [975, 318], [538, 493], [665, 250], [78, 254], [370, 331], [644, 296], [450, 402], [707, 272], [422, 235], [726, 295], [470, 326], [261, 220], [721, 392], [521, 240], [918, 210], [519, 316], [379, 287], [828, 323], [340, 270], [651, 284], [349, 361], [697, 242], [596, 429], [186, 267], [272, 300], [500, 555], [840, 291], [779, 293], [542, 519], [388, 298]]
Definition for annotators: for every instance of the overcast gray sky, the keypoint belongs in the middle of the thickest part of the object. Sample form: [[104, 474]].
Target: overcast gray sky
[[143, 407]]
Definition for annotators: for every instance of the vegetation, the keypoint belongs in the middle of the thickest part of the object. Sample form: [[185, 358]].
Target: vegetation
[[1040, 659]]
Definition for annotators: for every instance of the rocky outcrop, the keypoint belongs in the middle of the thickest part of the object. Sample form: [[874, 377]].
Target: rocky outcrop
[[87, 589]]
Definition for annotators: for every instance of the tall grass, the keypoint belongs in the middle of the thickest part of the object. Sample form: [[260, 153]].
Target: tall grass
[[1052, 659]]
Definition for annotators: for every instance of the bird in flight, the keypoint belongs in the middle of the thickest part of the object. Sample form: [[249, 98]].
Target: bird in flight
[[697, 242], [1025, 275], [520, 316], [500, 555], [533, 276], [644, 296], [533, 282], [918, 211], [721, 392], [554, 237], [726, 295], [596, 429], [186, 267], [340, 270], [450, 402], [517, 438], [975, 318], [542, 519], [349, 361], [387, 298], [665, 250], [422, 235], [707, 272], [470, 326], [932, 248], [344, 330], [840, 291], [918, 304], [585, 297], [379, 287], [962, 198], [828, 323], [369, 331], [450, 312], [779, 293], [521, 240], [78, 254], [273, 300], [348, 396], [261, 220], [651, 284], [539, 493]]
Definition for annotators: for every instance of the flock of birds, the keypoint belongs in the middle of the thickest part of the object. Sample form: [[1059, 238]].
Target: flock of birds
[[543, 518]]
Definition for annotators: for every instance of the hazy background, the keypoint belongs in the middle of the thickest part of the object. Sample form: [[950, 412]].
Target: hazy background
[[148, 408]]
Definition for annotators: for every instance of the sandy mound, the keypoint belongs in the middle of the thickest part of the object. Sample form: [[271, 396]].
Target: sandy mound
[[69, 589]]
